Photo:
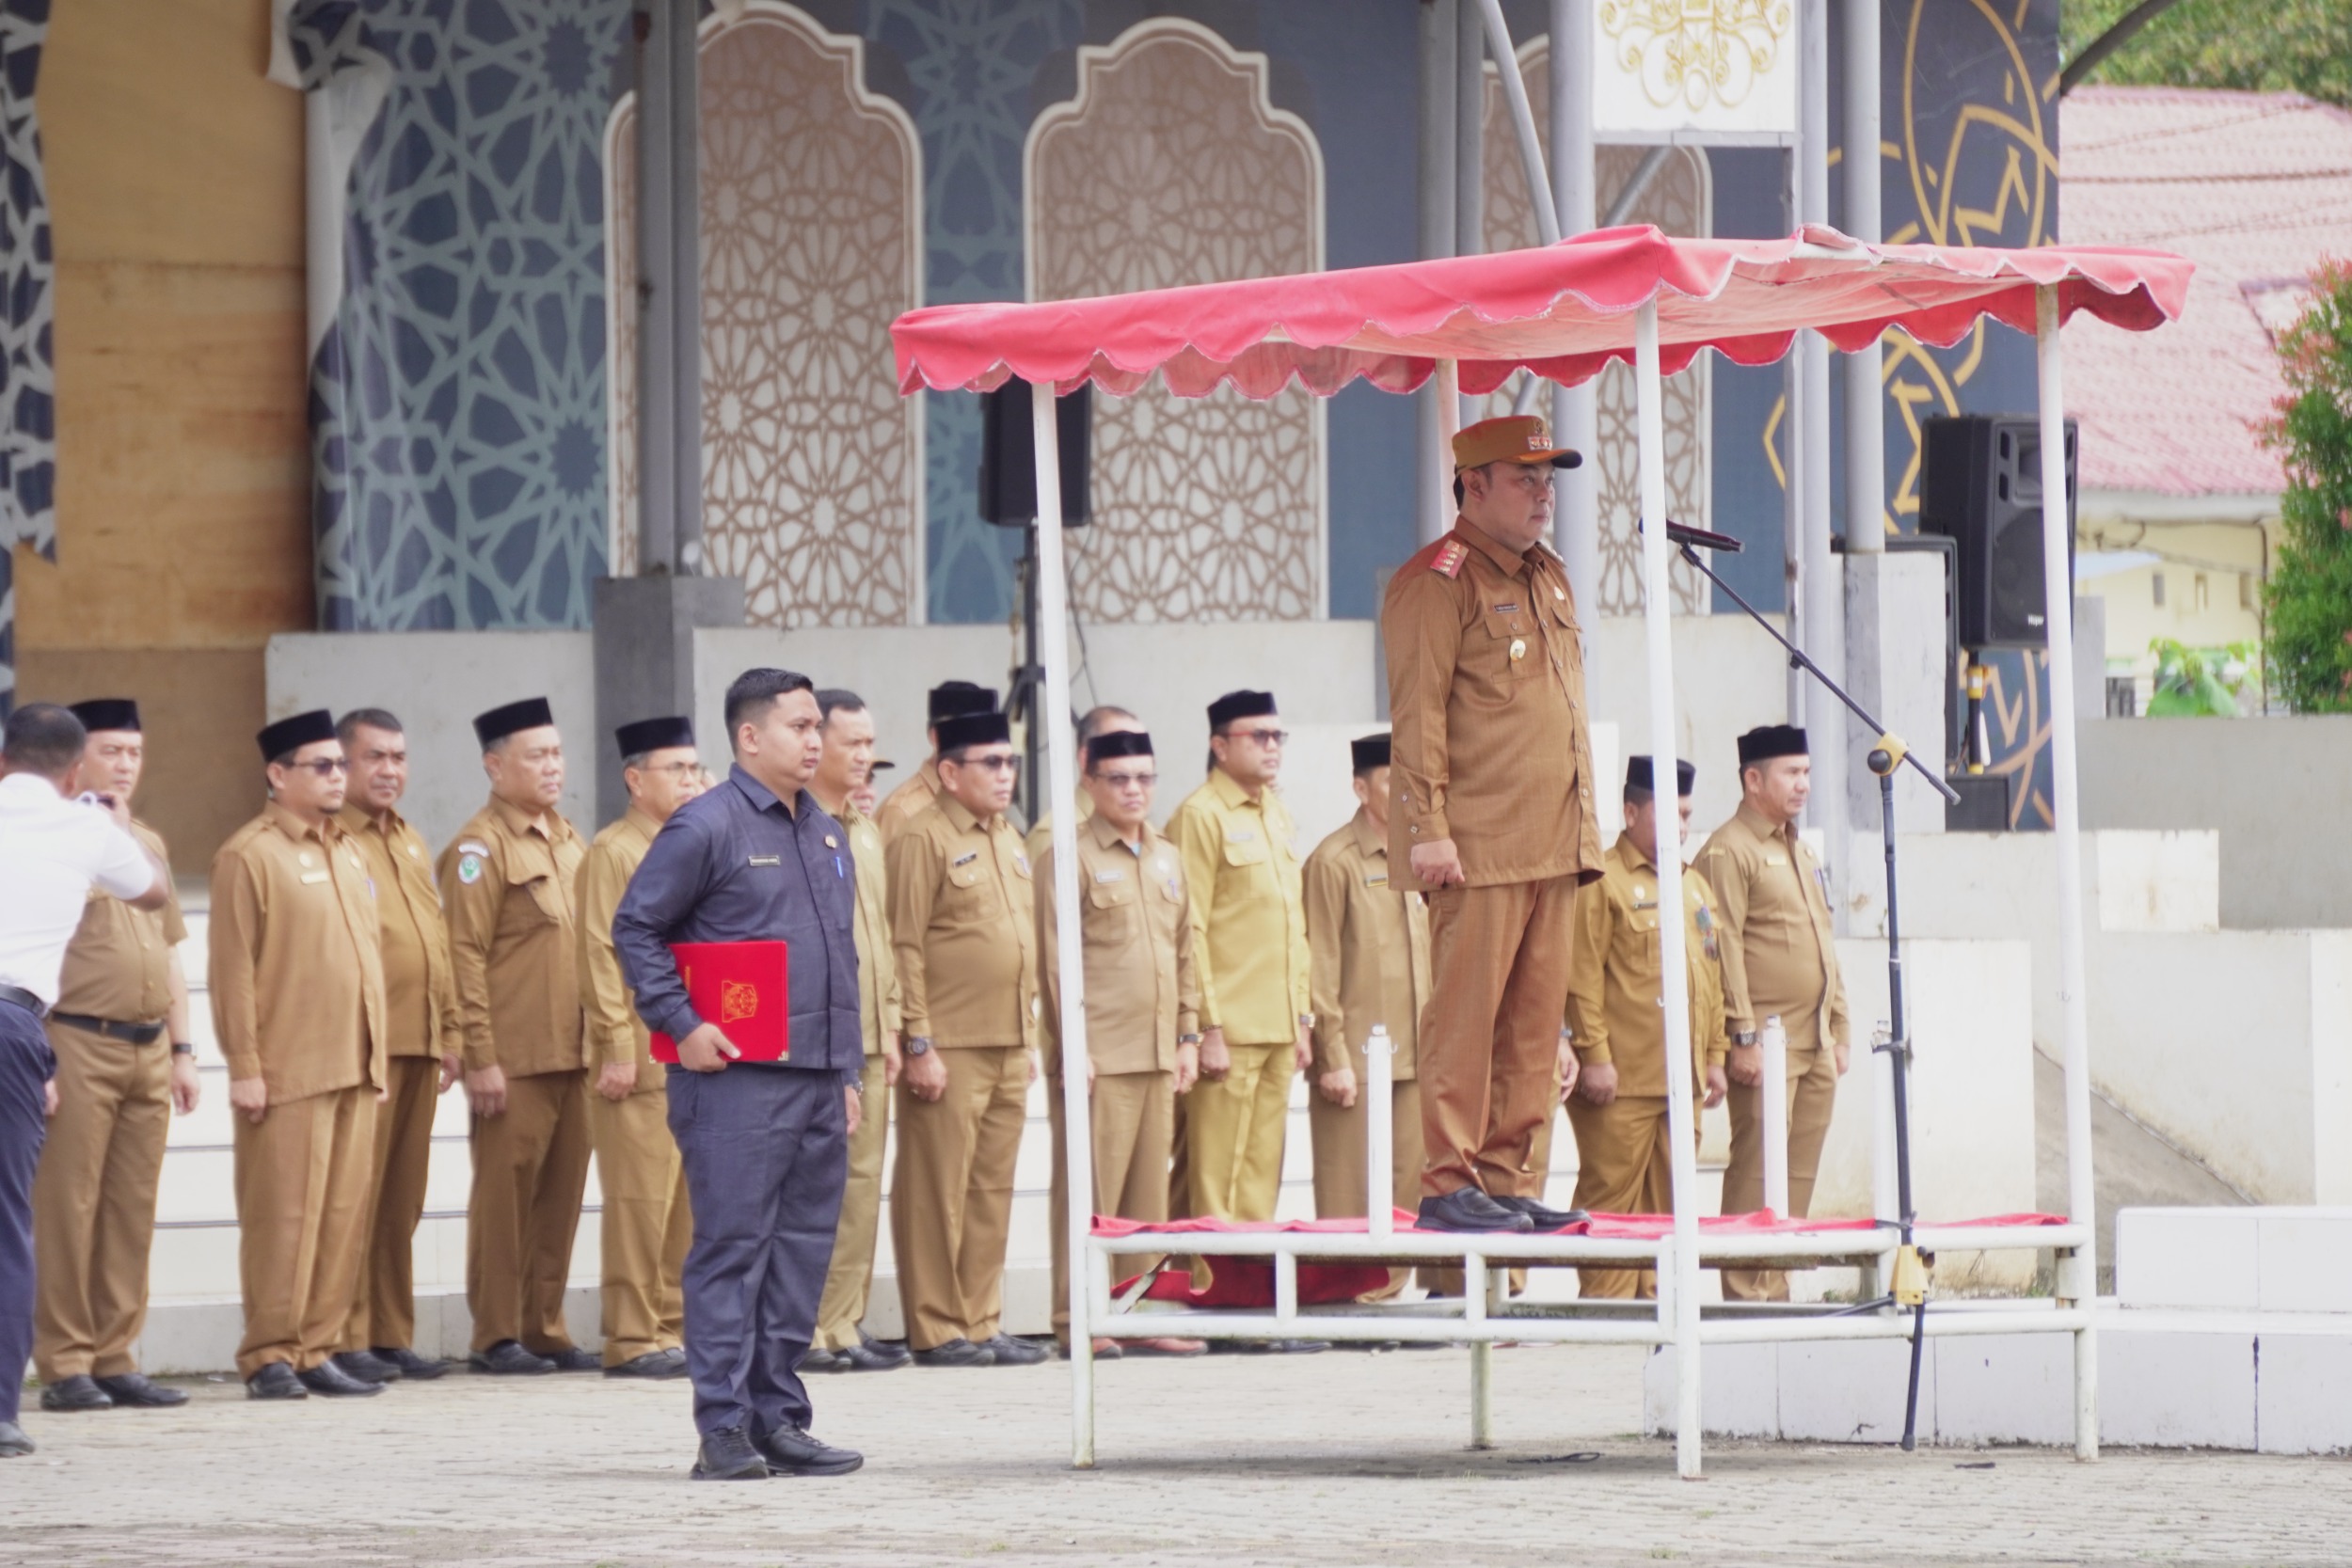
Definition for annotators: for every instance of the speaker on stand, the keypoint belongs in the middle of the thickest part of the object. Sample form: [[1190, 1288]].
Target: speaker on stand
[[1008, 499]]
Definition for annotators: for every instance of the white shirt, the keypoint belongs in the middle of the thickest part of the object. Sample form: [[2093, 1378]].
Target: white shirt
[[52, 850]]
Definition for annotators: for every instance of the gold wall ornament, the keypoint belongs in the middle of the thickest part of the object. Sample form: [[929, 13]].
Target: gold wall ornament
[[1696, 54]]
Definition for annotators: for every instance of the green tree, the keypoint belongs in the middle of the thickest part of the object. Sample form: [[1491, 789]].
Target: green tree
[[2310, 592], [2275, 46]]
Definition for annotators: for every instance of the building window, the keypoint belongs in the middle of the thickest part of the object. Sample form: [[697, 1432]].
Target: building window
[[2155, 581], [2203, 593], [2246, 589]]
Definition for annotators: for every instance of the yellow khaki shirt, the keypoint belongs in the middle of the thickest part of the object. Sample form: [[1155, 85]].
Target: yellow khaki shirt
[[878, 1003], [1488, 727], [1135, 926], [910, 800], [1613, 978], [118, 964], [419, 987], [1367, 947], [1779, 953], [615, 1033], [963, 924], [507, 885], [295, 965], [1248, 910]]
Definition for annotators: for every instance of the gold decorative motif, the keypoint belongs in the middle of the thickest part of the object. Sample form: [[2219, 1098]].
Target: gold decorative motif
[[1695, 53]]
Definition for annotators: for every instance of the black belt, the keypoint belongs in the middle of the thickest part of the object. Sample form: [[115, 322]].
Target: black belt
[[134, 1034], [23, 998]]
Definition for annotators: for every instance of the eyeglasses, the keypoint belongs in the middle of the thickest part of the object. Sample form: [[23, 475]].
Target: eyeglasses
[[995, 764], [1128, 780], [324, 767], [1262, 738], [676, 770]]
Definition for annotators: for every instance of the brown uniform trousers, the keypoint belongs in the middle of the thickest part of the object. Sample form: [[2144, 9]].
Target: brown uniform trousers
[[1779, 957], [1490, 751], [94, 1195], [962, 923], [1624, 1162], [507, 884], [297, 994], [646, 1226], [421, 1022], [850, 1279]]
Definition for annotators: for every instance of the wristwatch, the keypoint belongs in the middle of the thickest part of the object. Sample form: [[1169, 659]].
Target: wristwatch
[[1187, 1040], [182, 1047], [919, 1046], [1743, 1036]]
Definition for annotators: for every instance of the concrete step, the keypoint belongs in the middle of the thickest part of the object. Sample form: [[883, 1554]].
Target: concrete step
[[2236, 1259]]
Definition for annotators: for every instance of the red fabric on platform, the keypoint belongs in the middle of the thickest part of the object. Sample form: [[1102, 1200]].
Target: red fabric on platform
[[1606, 1226], [1237, 1283]]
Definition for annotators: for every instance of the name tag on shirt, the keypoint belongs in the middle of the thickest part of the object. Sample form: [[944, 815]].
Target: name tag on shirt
[[1775, 860], [1110, 876], [766, 860], [1375, 878], [966, 858], [309, 877], [1241, 835]]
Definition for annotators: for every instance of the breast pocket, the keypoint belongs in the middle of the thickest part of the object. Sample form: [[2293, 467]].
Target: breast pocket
[[1644, 925], [1111, 909], [1513, 651], [966, 894], [1246, 859]]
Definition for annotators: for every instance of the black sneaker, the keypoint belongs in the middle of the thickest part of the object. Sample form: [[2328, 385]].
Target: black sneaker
[[78, 1392], [275, 1381], [415, 1368], [956, 1352], [728, 1454], [366, 1366], [1469, 1210], [334, 1383], [791, 1452], [1540, 1215], [654, 1364], [1011, 1351], [507, 1359]]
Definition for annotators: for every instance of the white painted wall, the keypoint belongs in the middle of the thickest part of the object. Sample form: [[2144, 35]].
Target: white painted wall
[[1729, 677]]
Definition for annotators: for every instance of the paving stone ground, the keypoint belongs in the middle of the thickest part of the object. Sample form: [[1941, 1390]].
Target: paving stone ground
[[1338, 1459]]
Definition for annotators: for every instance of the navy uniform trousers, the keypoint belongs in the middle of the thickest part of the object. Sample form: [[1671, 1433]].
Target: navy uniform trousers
[[26, 1067], [767, 1153]]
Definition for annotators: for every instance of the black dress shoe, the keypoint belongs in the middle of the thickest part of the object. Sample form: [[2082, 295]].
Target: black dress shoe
[[1269, 1347], [13, 1443], [728, 1454], [571, 1359], [819, 1359], [334, 1383], [415, 1368], [956, 1352], [365, 1365], [1011, 1351], [1469, 1210], [893, 1351], [872, 1355], [138, 1390], [1542, 1216], [78, 1392], [791, 1452], [507, 1359], [275, 1381], [654, 1363]]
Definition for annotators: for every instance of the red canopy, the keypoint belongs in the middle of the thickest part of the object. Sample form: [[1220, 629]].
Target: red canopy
[[1564, 311]]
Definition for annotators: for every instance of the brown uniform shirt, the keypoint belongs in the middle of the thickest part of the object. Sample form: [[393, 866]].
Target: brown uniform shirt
[[615, 1033], [910, 800], [1041, 835], [420, 989], [963, 924], [1779, 953], [878, 1003], [1249, 914], [507, 885], [297, 966], [118, 964], [1488, 727], [1135, 926], [1368, 949], [1613, 980]]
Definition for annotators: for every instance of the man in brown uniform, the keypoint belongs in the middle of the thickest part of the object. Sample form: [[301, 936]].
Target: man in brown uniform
[[1142, 1007], [1624, 1163], [421, 1046], [910, 800], [507, 881], [1780, 958], [1493, 819], [124, 1062], [647, 1224], [963, 922], [1367, 952], [297, 989], [841, 1344]]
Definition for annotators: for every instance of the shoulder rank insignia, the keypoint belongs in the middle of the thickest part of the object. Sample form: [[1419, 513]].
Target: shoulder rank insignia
[[1447, 562]]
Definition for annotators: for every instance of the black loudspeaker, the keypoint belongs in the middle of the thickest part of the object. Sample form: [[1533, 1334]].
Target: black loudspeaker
[[1980, 485], [1008, 454]]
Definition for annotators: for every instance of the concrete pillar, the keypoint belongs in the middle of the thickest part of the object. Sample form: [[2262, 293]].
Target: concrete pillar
[[644, 652]]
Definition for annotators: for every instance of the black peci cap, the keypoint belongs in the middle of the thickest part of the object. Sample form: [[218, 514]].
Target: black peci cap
[[495, 725], [652, 734], [1368, 751], [107, 713], [953, 699], [1638, 772], [1767, 741], [291, 734], [972, 729], [1118, 743], [1239, 704]]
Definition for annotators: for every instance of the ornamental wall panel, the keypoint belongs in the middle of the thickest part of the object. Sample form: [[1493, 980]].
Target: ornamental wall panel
[[1170, 166]]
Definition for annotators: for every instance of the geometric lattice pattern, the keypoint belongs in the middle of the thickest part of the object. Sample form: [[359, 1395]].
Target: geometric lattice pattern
[[1171, 167], [458, 398], [1677, 200], [811, 247], [28, 445]]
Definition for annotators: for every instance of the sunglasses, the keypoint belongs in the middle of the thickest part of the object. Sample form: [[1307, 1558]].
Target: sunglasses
[[324, 767]]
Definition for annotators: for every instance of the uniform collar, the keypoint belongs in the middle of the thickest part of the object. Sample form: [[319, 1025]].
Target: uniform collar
[[1105, 835], [927, 776], [761, 797], [1231, 794], [1368, 839], [1761, 825], [960, 815], [1635, 857], [1505, 562], [519, 822], [295, 827], [642, 820], [358, 820]]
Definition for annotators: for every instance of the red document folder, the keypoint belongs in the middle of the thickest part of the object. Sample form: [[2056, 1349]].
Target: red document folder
[[739, 986]]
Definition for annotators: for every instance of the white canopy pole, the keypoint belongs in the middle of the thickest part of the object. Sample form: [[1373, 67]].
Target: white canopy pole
[[2079, 1282], [1673, 964], [1574, 410], [1522, 122], [1062, 777]]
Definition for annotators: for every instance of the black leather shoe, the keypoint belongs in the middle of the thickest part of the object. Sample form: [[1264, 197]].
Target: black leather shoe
[[871, 1355], [728, 1454], [790, 1451], [1469, 1210], [275, 1381], [334, 1383], [13, 1443], [654, 1363], [1542, 1216], [78, 1392], [819, 1359], [893, 1351], [1269, 1347], [415, 1368], [366, 1366], [1011, 1351], [137, 1390], [571, 1359], [956, 1352], [507, 1359]]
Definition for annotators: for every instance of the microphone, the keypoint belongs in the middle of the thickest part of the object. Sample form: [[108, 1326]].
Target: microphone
[[1682, 534]]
